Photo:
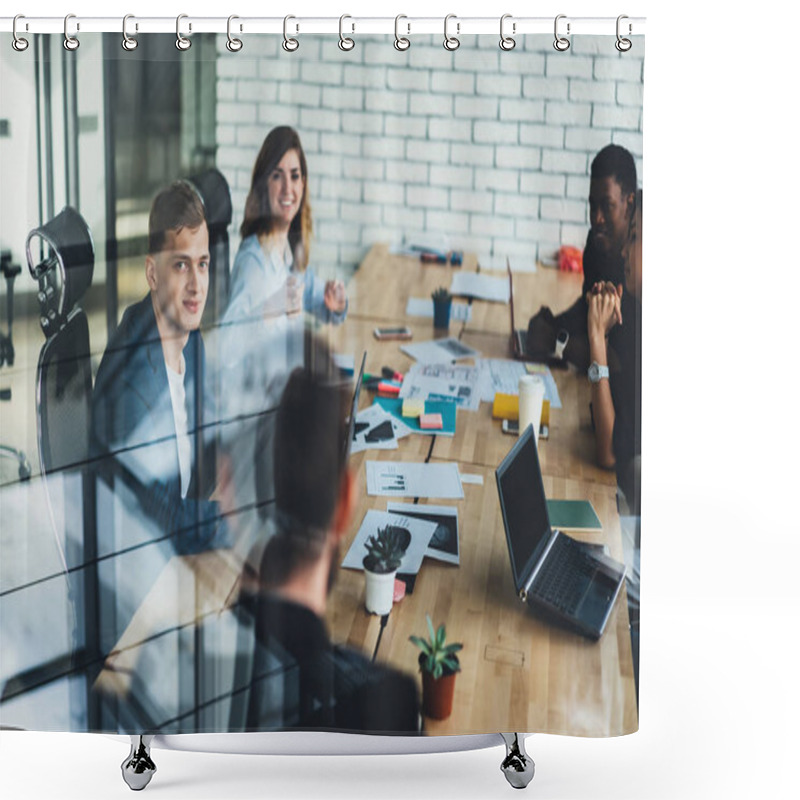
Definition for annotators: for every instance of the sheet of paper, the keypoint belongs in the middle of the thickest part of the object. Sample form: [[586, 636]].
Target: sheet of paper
[[413, 243], [550, 388], [498, 263], [412, 479], [372, 437], [502, 375], [423, 307], [346, 362], [443, 545], [420, 530], [484, 287], [460, 383], [439, 351]]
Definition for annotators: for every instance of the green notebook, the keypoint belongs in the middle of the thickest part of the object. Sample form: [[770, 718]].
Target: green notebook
[[576, 515]]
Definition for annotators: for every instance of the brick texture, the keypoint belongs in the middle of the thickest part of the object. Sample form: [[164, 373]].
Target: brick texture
[[492, 149]]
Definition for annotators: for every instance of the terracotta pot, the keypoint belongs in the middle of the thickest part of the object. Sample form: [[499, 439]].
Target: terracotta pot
[[437, 695]]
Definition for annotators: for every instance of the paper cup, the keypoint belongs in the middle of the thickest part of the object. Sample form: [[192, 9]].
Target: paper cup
[[531, 395]]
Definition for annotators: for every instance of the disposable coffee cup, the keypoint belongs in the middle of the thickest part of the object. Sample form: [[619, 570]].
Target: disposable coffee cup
[[531, 396]]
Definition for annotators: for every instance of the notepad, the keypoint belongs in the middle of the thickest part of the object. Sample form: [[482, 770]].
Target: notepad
[[447, 411], [575, 515], [414, 407], [430, 422]]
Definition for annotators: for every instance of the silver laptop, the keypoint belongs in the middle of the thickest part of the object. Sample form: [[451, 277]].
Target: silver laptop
[[559, 577]]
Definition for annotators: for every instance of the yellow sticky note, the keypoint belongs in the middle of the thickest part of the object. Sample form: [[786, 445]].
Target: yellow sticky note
[[413, 407], [506, 406]]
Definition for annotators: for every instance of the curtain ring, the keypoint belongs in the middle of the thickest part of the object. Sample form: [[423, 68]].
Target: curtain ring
[[181, 42], [561, 43], [451, 42], [129, 43], [18, 43], [70, 42], [507, 42], [622, 44], [401, 43], [289, 44], [233, 44], [345, 43]]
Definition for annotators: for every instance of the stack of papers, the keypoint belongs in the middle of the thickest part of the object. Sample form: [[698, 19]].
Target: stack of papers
[[377, 429], [517, 263], [459, 384], [439, 351], [443, 545], [483, 287], [420, 531], [502, 375], [423, 307]]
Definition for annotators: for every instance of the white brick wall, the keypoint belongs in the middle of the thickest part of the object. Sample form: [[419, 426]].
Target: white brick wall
[[491, 148]]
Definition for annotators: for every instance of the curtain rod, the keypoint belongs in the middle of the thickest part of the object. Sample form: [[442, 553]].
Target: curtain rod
[[350, 25]]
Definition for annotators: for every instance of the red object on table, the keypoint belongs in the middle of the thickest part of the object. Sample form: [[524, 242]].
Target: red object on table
[[570, 259]]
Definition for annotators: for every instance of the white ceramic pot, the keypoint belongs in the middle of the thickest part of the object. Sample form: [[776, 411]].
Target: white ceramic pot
[[380, 591]]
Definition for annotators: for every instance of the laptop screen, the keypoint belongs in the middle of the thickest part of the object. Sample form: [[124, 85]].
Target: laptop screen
[[351, 422], [524, 507]]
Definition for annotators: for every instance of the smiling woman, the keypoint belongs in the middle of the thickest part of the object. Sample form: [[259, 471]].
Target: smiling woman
[[270, 273]]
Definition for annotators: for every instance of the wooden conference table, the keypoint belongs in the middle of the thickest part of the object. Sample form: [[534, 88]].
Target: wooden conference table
[[517, 672]]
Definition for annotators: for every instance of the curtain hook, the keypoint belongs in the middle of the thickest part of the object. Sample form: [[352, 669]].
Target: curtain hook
[[561, 43], [451, 42], [345, 43], [507, 42], [70, 42], [129, 43], [622, 44], [289, 44], [181, 42], [18, 43], [233, 44], [401, 43]]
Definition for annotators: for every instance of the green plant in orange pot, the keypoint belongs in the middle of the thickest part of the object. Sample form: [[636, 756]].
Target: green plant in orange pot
[[439, 664]]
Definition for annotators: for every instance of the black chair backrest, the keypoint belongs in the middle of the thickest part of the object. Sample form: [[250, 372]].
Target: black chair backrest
[[64, 396], [64, 374], [216, 196]]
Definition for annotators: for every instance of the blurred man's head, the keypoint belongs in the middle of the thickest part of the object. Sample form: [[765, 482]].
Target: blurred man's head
[[178, 259], [313, 488], [611, 196]]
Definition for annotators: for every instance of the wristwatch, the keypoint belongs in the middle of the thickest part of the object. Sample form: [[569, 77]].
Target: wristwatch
[[561, 343], [597, 372]]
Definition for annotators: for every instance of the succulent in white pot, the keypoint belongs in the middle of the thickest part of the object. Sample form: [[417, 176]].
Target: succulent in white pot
[[385, 552]]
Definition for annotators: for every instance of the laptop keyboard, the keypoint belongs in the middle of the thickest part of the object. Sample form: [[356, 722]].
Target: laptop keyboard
[[565, 575]]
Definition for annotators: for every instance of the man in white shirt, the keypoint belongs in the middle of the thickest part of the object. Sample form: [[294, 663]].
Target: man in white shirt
[[150, 403]]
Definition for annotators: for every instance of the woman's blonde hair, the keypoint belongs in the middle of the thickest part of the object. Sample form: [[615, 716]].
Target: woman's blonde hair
[[257, 216]]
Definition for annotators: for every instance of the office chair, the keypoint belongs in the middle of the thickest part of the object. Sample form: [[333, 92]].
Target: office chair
[[63, 406], [64, 374], [10, 272], [216, 196]]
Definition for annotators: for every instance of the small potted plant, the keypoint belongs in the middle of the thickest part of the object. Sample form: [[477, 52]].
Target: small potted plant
[[439, 664], [442, 300], [385, 552]]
